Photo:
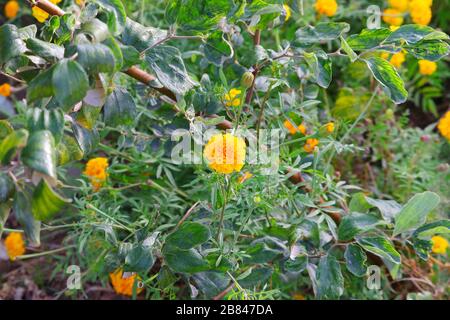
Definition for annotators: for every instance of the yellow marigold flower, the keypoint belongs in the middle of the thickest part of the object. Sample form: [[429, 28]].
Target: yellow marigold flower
[[288, 11], [420, 12], [96, 171], [392, 17], [427, 67], [225, 153], [329, 127], [232, 98], [440, 245], [80, 2], [310, 145], [396, 60], [292, 130], [326, 7], [5, 90], [14, 244], [247, 175], [400, 5], [123, 285], [11, 9], [444, 125]]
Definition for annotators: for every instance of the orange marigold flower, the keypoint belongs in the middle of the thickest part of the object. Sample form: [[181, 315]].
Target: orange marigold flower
[[396, 60], [427, 67], [293, 130], [225, 153], [392, 17], [96, 171], [14, 244], [5, 90], [123, 285], [444, 125], [440, 245], [232, 98], [11, 9], [420, 12], [326, 7], [310, 145]]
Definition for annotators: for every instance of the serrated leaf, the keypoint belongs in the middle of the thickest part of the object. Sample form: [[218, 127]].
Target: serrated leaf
[[39, 153], [46, 202], [388, 77], [415, 211]]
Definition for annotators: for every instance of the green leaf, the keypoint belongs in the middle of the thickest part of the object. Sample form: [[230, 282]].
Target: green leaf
[[189, 235], [169, 67], [348, 50], [324, 31], [28, 32], [388, 208], [413, 33], [96, 58], [46, 50], [22, 210], [39, 154], [70, 83], [197, 15], [139, 259], [5, 129], [355, 259], [211, 283], [330, 282], [141, 37], [296, 265], [185, 261], [217, 49], [7, 187], [261, 252], [383, 248], [87, 139], [430, 229], [130, 56], [320, 66], [116, 14], [355, 224], [15, 140], [257, 277], [415, 211], [358, 203], [41, 86], [46, 202], [114, 46], [429, 50], [44, 119], [119, 108], [368, 39], [11, 43], [422, 247], [388, 77]]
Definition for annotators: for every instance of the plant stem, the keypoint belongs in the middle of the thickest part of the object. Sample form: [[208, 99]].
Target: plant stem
[[40, 254], [222, 212]]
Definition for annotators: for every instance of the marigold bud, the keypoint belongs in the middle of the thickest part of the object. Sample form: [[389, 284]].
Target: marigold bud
[[247, 79]]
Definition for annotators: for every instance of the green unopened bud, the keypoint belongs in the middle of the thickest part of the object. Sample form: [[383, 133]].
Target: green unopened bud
[[389, 114], [247, 79]]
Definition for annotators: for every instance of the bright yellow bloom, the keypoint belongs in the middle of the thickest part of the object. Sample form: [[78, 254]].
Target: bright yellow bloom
[[400, 5], [232, 98], [440, 245], [392, 17], [427, 67], [393, 28], [396, 60], [329, 127], [96, 171], [247, 175], [40, 14], [14, 244], [326, 7], [444, 125], [292, 130], [5, 90], [11, 9], [310, 145], [80, 2], [225, 153], [123, 285], [288, 11], [420, 12]]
